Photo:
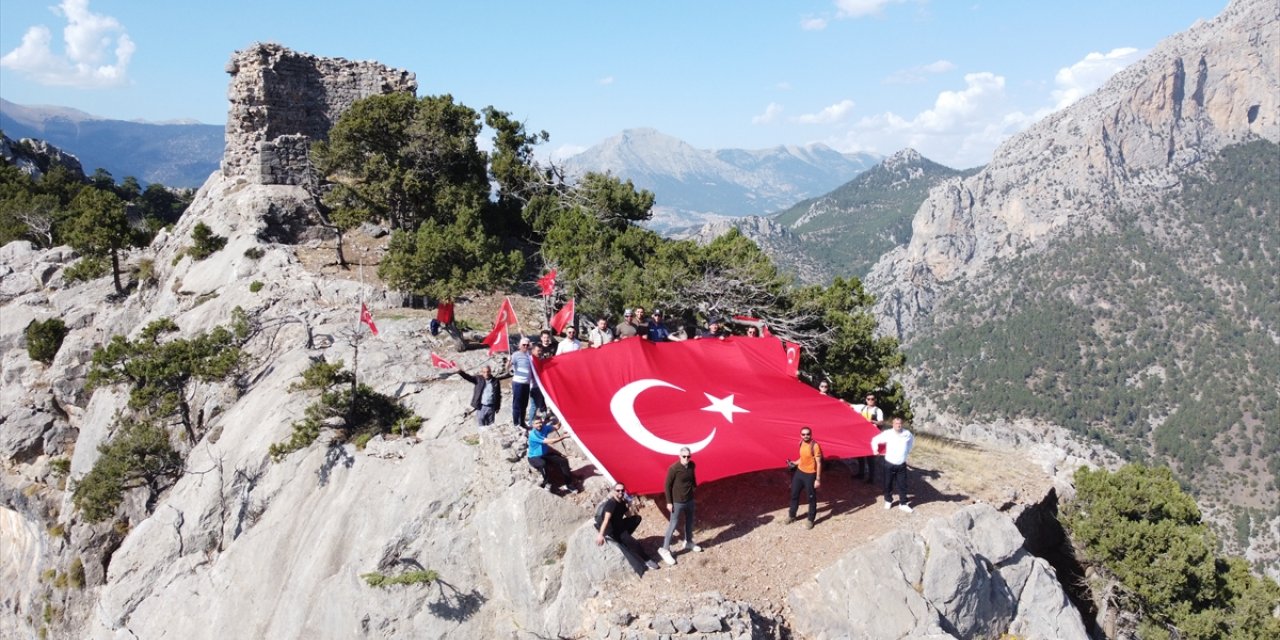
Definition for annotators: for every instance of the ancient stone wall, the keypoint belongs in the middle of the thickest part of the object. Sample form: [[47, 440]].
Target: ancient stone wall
[[283, 100]]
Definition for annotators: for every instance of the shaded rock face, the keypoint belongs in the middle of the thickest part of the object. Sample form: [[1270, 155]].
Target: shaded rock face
[[35, 157], [1214, 85], [967, 576], [283, 100]]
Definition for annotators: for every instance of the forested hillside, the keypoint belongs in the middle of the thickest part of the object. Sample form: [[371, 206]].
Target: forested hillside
[[1157, 333]]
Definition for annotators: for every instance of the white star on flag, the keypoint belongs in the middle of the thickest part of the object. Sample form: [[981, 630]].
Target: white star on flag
[[723, 406]]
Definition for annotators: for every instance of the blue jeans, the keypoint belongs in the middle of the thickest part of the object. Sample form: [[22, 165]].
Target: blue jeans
[[536, 404], [484, 415], [519, 400], [678, 508], [802, 481]]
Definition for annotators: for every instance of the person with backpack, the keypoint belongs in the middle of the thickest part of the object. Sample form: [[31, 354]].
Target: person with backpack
[[807, 476], [613, 522]]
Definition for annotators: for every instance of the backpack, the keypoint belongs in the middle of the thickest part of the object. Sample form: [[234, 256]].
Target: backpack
[[600, 511]]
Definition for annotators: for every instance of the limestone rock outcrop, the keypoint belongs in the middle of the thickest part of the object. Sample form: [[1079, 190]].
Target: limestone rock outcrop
[[968, 576], [283, 100], [1216, 84]]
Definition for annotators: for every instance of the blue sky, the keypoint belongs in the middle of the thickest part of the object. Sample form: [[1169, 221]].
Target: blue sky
[[950, 78]]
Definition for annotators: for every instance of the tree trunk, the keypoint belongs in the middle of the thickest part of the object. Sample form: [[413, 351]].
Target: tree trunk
[[342, 259], [115, 270]]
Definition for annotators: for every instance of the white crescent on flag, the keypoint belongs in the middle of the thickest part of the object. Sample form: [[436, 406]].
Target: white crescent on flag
[[623, 408]]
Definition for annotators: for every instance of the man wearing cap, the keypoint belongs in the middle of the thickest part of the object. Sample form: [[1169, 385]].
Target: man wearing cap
[[521, 369], [657, 330], [626, 328], [714, 330]]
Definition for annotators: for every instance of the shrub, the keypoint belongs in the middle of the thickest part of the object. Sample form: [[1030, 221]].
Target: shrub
[[365, 413], [146, 272], [419, 576], [255, 286], [86, 269], [45, 338], [75, 575], [60, 467], [139, 455], [205, 242], [254, 253]]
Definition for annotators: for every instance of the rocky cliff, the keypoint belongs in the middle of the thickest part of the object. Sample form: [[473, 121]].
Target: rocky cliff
[[1216, 84], [240, 546]]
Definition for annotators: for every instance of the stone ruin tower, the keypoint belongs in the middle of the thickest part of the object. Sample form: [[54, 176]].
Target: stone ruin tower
[[283, 100]]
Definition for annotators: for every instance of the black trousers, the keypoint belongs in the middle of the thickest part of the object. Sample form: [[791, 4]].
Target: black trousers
[[895, 474], [802, 481], [620, 531], [553, 459]]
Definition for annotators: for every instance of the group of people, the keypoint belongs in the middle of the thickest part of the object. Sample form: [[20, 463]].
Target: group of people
[[615, 516]]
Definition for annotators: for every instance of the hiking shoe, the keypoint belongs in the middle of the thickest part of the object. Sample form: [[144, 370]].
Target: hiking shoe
[[667, 557], [651, 564], [903, 507], [808, 524], [789, 520], [888, 505]]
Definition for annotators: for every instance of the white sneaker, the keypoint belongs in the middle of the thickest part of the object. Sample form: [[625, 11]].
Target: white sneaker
[[666, 556], [694, 548], [903, 507], [888, 505]]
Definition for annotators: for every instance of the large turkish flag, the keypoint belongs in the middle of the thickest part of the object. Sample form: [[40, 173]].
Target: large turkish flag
[[632, 404]]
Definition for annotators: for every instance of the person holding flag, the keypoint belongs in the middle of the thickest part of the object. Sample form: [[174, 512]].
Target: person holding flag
[[486, 398], [866, 465], [521, 369], [541, 454]]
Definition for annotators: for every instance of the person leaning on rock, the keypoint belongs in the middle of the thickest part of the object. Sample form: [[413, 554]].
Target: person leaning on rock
[[486, 398], [681, 481], [898, 443], [613, 522]]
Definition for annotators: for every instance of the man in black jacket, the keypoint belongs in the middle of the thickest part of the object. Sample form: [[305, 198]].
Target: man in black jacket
[[681, 481], [486, 398]]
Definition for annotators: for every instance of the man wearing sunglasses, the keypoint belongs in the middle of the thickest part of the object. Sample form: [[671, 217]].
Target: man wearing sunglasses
[[807, 477], [613, 522], [681, 480]]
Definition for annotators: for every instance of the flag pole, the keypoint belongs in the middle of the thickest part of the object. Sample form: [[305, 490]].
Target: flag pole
[[355, 359]]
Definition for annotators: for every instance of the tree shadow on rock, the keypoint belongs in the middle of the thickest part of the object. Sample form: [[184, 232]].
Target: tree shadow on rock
[[454, 605], [335, 455]]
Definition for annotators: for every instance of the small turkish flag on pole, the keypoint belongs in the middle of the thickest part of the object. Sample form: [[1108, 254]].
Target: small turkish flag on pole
[[497, 339], [563, 317], [367, 318], [793, 358], [506, 314], [441, 363], [547, 283]]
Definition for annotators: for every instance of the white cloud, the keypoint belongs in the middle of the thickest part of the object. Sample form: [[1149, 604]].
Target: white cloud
[[915, 75], [560, 153], [831, 114], [813, 24], [97, 50], [770, 114], [607, 80], [862, 8], [1082, 78]]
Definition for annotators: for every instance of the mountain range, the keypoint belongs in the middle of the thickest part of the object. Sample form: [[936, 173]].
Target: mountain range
[[693, 186], [181, 154]]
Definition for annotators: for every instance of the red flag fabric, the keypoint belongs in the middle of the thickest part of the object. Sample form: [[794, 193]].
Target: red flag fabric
[[732, 402], [444, 312], [764, 331], [547, 283], [367, 318], [497, 339], [441, 363], [563, 317], [793, 358], [506, 314]]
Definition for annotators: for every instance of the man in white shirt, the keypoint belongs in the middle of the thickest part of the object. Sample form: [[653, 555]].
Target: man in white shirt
[[897, 444], [570, 342], [601, 334]]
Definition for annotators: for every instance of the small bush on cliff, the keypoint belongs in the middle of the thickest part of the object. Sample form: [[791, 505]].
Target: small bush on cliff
[[364, 413], [138, 456], [1140, 529], [205, 242], [382, 580], [44, 338]]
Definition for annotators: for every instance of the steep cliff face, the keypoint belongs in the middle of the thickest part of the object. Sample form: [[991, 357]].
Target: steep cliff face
[[1216, 84]]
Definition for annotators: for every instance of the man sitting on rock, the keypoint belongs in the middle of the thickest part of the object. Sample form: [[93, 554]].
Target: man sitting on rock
[[541, 454], [613, 522]]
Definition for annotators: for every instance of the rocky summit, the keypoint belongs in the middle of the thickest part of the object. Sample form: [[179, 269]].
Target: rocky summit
[[444, 533]]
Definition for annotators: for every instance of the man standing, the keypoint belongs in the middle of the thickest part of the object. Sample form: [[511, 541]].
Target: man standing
[[626, 328], [601, 334], [612, 521], [521, 369], [657, 329], [486, 398], [807, 477], [570, 343], [897, 442], [541, 454], [714, 330], [867, 465], [681, 480], [537, 402]]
